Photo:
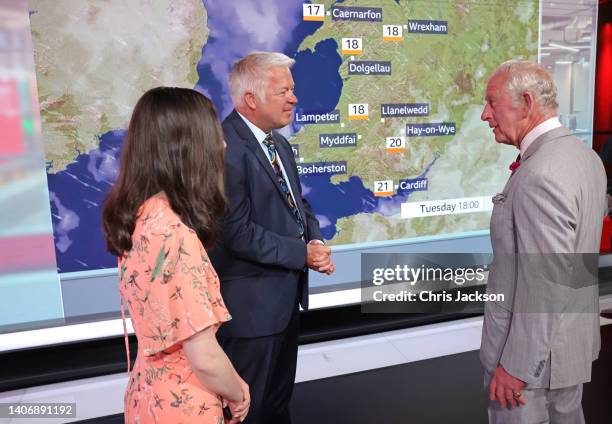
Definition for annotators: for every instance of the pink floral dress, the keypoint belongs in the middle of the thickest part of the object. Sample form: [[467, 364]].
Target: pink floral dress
[[172, 292]]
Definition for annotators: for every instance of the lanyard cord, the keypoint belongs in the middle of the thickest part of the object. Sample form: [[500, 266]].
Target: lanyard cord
[[125, 337]]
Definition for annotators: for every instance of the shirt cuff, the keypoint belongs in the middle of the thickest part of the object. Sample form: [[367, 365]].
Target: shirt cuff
[[316, 241]]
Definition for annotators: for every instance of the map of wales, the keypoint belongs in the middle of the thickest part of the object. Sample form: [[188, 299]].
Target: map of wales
[[387, 132]]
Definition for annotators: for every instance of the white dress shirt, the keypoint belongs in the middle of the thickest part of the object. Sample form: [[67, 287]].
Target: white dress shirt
[[544, 127]]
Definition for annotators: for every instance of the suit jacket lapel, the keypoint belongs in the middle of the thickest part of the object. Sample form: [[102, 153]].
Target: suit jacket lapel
[[251, 142], [292, 179]]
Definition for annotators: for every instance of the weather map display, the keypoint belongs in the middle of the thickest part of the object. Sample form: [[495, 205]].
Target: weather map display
[[386, 133], [387, 136]]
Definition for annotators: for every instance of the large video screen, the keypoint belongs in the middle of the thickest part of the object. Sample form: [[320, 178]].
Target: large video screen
[[392, 154]]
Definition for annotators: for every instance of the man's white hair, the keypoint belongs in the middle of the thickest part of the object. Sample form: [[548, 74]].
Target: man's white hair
[[527, 76], [248, 74]]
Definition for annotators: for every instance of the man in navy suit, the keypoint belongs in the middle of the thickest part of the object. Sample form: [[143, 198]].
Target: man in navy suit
[[269, 236]]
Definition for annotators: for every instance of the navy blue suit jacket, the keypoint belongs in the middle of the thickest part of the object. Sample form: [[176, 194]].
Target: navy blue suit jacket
[[259, 257]]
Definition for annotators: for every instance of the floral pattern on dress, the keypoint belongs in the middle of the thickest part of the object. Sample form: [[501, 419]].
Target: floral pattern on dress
[[172, 292]]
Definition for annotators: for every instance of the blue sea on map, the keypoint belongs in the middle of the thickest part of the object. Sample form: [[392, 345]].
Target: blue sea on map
[[77, 192], [76, 197]]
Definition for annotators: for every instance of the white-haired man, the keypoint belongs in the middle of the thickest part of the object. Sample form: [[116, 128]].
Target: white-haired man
[[269, 236], [538, 345]]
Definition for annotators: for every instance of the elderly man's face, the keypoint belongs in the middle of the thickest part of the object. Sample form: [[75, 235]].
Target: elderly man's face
[[276, 111], [500, 112]]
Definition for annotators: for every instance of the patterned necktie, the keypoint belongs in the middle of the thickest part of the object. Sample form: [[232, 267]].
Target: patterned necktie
[[269, 143]]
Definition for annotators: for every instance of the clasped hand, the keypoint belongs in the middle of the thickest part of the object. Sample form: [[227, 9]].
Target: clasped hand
[[240, 409], [318, 257]]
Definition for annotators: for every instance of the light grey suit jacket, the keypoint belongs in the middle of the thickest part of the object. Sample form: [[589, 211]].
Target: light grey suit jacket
[[545, 228]]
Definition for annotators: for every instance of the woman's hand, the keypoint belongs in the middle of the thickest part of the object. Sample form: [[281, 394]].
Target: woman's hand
[[240, 409]]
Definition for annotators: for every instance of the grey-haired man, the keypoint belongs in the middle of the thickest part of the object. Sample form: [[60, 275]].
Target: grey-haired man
[[538, 345]]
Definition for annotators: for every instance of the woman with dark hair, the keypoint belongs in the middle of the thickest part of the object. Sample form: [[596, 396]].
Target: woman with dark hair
[[157, 219]]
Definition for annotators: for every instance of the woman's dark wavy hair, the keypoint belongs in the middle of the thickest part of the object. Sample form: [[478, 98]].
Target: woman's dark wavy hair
[[174, 144]]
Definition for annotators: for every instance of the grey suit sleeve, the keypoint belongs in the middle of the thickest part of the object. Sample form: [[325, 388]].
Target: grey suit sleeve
[[545, 220]]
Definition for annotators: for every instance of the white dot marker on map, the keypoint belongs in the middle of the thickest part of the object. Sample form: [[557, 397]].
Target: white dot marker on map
[[341, 124], [382, 119], [301, 159], [358, 136]]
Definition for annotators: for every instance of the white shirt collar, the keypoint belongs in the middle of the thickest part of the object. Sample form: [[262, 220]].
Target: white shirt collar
[[257, 132], [544, 127]]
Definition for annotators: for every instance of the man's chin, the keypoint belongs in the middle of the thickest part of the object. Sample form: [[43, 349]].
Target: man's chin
[[502, 140]]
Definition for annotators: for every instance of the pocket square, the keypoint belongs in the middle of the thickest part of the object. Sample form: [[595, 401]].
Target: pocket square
[[499, 198]]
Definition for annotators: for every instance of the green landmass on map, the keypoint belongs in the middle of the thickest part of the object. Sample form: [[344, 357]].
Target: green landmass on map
[[449, 72]]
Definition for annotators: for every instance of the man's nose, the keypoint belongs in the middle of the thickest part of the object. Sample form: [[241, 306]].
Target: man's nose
[[486, 114], [293, 99]]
